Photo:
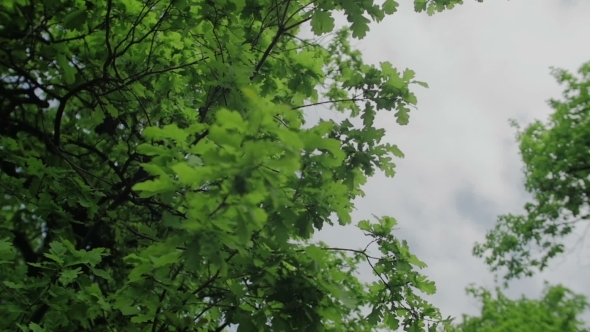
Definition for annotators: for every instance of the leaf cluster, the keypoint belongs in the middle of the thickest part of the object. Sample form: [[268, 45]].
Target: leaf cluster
[[557, 170], [557, 310], [156, 174]]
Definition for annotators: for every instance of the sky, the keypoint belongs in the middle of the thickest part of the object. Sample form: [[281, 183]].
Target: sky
[[485, 63]]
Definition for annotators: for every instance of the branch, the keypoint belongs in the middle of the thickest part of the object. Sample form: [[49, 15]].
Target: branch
[[107, 37], [269, 49], [330, 101], [221, 327], [62, 105]]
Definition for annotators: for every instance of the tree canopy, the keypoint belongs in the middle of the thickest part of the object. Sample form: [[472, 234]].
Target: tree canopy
[[558, 310], [156, 174], [556, 156]]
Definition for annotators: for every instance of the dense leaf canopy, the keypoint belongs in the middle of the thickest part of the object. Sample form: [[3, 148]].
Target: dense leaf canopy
[[156, 174], [556, 157], [557, 311]]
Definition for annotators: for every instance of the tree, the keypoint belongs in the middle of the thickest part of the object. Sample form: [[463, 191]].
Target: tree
[[155, 174], [556, 159], [556, 311]]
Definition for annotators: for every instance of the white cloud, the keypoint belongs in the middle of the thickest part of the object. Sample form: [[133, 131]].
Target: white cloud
[[485, 63]]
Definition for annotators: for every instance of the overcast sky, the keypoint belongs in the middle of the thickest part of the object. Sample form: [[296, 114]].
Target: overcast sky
[[485, 63]]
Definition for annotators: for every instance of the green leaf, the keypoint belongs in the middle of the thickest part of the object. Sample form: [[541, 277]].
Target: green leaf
[[365, 225], [101, 273], [230, 119], [422, 84], [6, 250], [76, 19], [247, 326], [396, 151], [187, 174], [69, 72], [360, 26], [390, 6], [153, 186], [13, 285], [402, 115], [180, 4], [92, 257], [68, 276], [315, 253], [57, 249], [167, 259], [36, 328], [54, 258], [431, 9], [348, 300], [412, 259], [408, 74], [322, 22]]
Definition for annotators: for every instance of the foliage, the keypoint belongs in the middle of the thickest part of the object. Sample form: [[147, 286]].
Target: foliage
[[556, 311], [156, 174], [557, 170]]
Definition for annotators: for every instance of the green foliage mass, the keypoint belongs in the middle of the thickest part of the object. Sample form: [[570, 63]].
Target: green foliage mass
[[556, 159], [156, 174], [556, 311]]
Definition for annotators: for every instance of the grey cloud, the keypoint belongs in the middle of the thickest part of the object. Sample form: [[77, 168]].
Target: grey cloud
[[475, 207]]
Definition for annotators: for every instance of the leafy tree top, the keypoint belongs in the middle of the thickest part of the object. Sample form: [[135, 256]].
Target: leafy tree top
[[557, 311], [556, 159]]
